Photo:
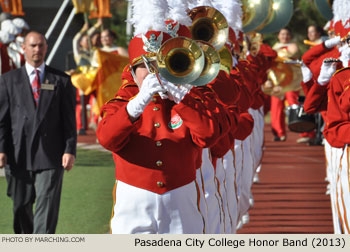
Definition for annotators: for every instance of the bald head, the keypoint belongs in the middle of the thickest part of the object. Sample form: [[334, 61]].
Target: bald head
[[35, 48]]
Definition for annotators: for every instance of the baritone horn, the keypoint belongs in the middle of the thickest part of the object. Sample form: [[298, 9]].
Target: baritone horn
[[211, 64], [209, 25], [180, 60]]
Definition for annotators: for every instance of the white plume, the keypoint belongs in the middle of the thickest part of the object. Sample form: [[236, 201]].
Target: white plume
[[178, 11], [148, 15], [232, 11], [204, 3], [341, 10]]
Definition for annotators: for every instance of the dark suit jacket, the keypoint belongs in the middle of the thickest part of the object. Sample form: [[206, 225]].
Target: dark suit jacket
[[36, 138]]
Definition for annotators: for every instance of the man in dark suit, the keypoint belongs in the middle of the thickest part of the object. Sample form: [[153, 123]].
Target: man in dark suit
[[37, 137]]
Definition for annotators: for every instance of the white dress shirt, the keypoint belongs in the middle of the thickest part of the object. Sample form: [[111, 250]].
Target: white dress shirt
[[31, 72]]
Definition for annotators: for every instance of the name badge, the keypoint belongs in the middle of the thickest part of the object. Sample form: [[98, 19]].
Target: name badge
[[47, 86]]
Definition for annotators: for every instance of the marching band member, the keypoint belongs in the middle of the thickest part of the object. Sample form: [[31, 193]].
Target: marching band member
[[147, 134], [107, 40], [5, 63], [15, 56]]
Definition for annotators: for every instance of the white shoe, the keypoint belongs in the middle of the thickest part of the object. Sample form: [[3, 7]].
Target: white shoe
[[245, 218], [251, 202], [256, 178], [239, 225], [328, 192]]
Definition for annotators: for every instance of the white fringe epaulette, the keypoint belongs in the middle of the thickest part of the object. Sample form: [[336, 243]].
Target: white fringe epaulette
[[178, 11], [232, 11], [148, 15]]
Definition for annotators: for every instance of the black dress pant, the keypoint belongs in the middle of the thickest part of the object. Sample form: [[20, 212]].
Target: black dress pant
[[41, 187]]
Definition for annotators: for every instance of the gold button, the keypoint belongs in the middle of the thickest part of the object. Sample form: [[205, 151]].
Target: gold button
[[159, 163], [157, 125], [160, 184], [154, 99], [155, 109], [158, 143]]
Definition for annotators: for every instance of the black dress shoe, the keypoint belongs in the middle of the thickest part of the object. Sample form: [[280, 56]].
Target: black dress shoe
[[279, 139]]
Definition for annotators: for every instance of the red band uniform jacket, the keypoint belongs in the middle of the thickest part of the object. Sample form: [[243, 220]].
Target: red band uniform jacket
[[159, 151], [337, 132]]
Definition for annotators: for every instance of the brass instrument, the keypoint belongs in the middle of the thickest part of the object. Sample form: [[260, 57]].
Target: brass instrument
[[211, 64], [284, 75], [282, 12], [180, 60], [195, 61], [209, 25], [296, 62], [255, 13], [325, 8], [226, 61], [310, 43], [252, 42]]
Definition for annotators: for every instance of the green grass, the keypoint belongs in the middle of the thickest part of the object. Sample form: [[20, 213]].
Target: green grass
[[86, 200]]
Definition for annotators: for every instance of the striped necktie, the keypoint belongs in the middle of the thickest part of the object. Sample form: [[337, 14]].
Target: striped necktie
[[36, 86]]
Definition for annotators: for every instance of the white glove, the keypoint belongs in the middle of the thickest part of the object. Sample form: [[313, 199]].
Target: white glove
[[149, 87], [307, 74], [234, 61], [329, 43], [175, 92], [345, 56], [327, 70]]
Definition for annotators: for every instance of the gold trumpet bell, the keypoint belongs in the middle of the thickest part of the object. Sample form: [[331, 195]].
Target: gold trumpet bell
[[282, 12], [209, 25], [211, 64], [255, 13], [226, 61], [180, 60]]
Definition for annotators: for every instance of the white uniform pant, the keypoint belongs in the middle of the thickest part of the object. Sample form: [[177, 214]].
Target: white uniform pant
[[203, 206], [343, 190], [257, 136], [140, 211], [211, 195], [238, 155], [333, 156], [231, 195], [246, 178], [220, 174]]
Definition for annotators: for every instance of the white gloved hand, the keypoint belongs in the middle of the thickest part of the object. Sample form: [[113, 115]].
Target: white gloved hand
[[163, 95], [327, 70], [345, 56], [329, 43], [307, 74], [149, 87], [175, 92], [234, 61]]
